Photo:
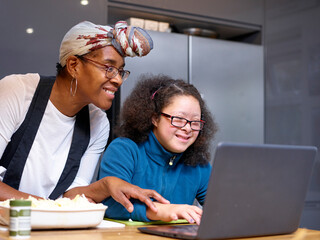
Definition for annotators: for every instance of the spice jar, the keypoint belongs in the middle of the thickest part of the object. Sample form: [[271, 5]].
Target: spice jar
[[20, 219]]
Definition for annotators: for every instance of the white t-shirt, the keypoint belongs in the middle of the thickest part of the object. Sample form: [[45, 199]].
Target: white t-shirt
[[49, 152]]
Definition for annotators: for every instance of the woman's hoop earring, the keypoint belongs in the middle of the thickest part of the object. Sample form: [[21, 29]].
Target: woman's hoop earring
[[75, 89]]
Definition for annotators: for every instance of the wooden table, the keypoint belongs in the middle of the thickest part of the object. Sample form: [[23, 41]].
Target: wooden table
[[131, 232]]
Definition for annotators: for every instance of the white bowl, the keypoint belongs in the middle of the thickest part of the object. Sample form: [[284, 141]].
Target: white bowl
[[60, 218]]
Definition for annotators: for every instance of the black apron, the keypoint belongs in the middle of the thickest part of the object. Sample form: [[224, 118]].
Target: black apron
[[17, 151]]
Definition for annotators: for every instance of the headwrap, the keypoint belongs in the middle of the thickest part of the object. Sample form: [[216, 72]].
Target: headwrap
[[86, 37]]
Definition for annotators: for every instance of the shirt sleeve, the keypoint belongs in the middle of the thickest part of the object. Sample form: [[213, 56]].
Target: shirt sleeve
[[205, 176], [119, 161], [12, 100], [12, 95]]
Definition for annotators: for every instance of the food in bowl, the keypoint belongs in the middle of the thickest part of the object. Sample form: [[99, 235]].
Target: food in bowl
[[60, 213]]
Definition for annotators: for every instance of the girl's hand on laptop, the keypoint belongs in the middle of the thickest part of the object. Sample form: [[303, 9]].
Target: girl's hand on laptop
[[172, 212]]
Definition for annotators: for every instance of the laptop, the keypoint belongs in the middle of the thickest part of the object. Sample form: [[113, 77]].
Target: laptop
[[254, 190]]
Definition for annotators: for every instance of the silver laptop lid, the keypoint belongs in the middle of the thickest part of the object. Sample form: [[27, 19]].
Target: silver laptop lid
[[256, 190]]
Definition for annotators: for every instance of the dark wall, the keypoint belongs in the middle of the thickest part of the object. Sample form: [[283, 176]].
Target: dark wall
[[39, 52], [292, 54]]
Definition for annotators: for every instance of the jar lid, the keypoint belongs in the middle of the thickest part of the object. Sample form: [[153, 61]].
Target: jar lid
[[21, 202]]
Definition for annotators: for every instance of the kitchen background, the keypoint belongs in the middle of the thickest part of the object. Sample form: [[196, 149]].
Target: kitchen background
[[260, 76]]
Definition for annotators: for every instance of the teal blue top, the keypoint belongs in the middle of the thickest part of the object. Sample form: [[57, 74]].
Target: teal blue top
[[148, 165]]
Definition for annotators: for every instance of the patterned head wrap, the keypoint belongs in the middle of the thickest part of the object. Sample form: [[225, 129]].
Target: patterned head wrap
[[86, 37]]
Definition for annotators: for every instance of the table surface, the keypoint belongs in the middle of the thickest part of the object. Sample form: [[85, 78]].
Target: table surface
[[131, 232]]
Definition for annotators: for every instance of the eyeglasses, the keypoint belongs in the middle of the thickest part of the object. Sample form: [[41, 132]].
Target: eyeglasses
[[181, 122], [111, 71]]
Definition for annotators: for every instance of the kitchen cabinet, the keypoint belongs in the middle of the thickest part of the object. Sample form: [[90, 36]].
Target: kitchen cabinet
[[232, 20], [245, 11]]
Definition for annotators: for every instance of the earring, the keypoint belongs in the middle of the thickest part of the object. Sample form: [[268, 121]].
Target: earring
[[75, 89]]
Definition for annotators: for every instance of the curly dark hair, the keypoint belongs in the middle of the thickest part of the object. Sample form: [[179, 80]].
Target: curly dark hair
[[150, 95]]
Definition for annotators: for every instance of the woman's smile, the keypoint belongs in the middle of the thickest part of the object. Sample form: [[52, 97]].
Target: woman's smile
[[109, 92], [183, 138]]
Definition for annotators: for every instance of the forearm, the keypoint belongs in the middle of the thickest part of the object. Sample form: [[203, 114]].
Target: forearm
[[119, 190], [8, 192], [96, 191]]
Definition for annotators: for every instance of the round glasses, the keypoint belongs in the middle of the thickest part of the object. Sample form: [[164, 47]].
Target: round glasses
[[180, 122], [111, 71]]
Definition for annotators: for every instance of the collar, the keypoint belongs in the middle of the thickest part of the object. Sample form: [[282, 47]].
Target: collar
[[158, 154]]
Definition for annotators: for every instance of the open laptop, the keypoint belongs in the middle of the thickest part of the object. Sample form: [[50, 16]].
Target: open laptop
[[254, 190]]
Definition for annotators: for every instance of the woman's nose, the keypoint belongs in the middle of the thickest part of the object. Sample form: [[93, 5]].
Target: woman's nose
[[117, 80], [187, 127]]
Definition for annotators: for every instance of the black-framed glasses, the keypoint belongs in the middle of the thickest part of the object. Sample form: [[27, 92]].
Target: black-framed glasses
[[181, 122], [111, 71]]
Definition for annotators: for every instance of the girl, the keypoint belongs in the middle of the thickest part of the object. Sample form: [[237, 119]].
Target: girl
[[165, 132]]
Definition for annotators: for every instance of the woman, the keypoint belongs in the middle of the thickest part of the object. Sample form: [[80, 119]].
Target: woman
[[163, 144], [52, 129]]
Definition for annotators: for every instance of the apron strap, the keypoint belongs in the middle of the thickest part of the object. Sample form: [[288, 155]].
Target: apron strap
[[17, 151]]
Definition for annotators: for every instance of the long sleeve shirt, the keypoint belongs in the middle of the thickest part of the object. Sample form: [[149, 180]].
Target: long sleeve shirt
[[148, 165]]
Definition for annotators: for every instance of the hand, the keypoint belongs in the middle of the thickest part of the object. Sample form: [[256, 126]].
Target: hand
[[171, 212], [122, 191]]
